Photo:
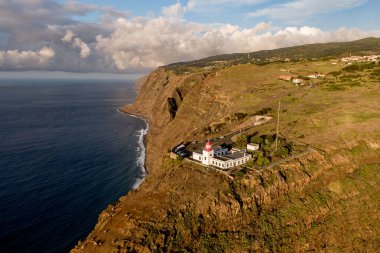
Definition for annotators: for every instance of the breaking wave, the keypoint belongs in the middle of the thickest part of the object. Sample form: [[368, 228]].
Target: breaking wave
[[140, 163]]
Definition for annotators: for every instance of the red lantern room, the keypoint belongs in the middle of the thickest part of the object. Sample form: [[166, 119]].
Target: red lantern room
[[208, 147]]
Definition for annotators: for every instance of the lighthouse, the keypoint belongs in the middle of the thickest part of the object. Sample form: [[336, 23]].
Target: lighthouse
[[208, 153]]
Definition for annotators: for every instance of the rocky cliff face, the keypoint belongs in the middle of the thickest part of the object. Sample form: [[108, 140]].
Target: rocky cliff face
[[297, 205]]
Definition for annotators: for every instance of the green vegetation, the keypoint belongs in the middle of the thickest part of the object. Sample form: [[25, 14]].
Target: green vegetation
[[263, 111], [359, 67], [267, 152], [260, 158], [239, 116], [241, 141], [335, 73], [256, 139], [262, 58]]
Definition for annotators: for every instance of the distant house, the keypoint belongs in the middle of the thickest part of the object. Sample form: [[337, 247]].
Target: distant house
[[285, 77], [298, 81], [368, 58], [316, 75]]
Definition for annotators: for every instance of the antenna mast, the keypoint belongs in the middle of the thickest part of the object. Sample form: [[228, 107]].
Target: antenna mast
[[278, 121]]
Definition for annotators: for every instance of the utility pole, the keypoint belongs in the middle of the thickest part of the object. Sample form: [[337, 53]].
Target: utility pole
[[278, 121]]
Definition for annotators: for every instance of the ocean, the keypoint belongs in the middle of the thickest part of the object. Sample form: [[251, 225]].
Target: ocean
[[66, 153]]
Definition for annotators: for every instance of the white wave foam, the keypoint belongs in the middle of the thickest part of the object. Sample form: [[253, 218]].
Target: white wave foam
[[142, 151]]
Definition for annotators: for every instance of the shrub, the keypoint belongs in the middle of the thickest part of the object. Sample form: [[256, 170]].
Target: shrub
[[263, 111], [250, 163], [335, 73], [262, 160], [282, 152], [240, 115], [271, 138], [256, 139], [241, 141], [351, 68]]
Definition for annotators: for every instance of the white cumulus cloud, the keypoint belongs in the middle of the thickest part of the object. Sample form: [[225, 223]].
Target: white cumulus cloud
[[145, 43], [68, 36], [177, 9], [84, 49], [76, 42], [28, 58]]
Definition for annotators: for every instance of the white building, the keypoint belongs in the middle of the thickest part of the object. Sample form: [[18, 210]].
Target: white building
[[315, 76], [220, 157], [253, 146], [297, 81]]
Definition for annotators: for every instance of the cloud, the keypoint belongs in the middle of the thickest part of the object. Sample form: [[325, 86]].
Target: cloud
[[42, 34], [172, 40], [69, 37], [176, 10], [301, 9], [84, 49], [200, 3], [23, 59], [81, 9], [46, 54], [2, 58]]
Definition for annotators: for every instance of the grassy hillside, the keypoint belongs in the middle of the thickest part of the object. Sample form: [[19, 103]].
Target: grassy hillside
[[325, 201], [328, 50]]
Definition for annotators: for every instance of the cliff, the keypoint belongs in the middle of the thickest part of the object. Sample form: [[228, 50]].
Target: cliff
[[323, 200]]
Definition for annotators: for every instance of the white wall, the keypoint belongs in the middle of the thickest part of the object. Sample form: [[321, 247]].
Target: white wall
[[197, 156]]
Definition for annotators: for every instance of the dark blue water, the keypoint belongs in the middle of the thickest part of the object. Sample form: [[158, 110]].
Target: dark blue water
[[65, 154]]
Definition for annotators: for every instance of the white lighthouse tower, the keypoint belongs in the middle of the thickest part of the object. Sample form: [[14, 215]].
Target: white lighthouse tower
[[208, 153]]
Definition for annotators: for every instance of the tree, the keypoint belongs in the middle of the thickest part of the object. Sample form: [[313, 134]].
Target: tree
[[282, 152], [241, 141], [262, 160], [270, 138], [250, 163], [256, 139]]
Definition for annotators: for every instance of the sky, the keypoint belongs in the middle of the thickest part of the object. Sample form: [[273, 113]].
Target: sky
[[129, 36]]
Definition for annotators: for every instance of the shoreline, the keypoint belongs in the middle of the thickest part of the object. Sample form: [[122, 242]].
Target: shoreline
[[141, 160]]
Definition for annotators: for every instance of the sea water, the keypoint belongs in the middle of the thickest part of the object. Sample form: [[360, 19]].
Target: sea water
[[66, 152]]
